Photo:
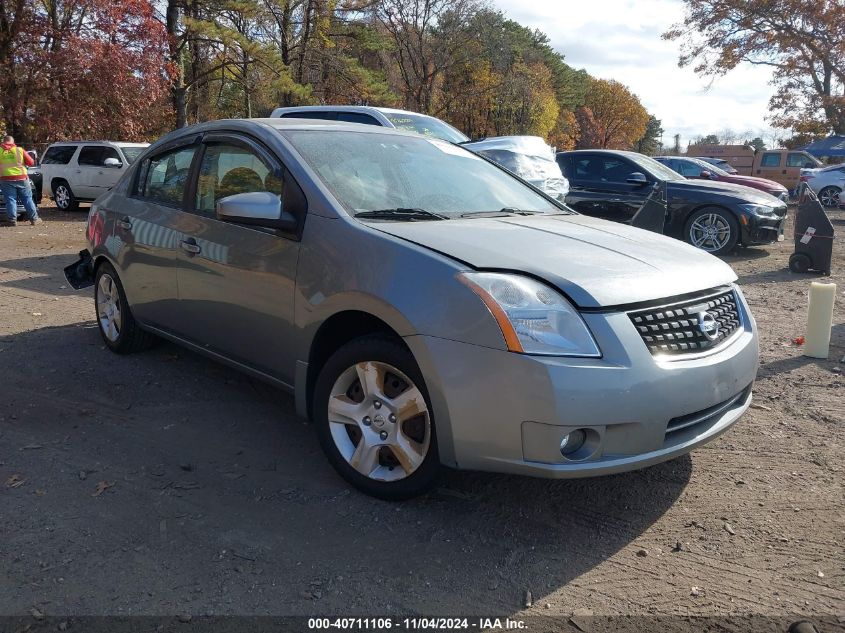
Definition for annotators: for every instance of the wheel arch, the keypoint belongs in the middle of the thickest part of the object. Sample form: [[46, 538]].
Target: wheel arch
[[339, 329]]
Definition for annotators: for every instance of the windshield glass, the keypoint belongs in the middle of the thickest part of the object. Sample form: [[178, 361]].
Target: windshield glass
[[373, 172], [425, 125], [658, 170], [132, 153]]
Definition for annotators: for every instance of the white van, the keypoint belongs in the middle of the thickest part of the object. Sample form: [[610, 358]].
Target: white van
[[81, 171]]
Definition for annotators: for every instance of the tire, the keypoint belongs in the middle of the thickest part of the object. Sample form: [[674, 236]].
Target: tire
[[830, 196], [724, 235], [63, 195], [399, 459], [800, 262], [117, 326]]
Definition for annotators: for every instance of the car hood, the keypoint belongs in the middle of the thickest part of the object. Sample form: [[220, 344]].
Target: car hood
[[752, 181], [597, 264], [746, 194]]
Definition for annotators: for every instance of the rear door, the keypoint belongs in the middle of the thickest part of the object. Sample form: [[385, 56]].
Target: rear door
[[236, 282], [598, 186], [148, 228]]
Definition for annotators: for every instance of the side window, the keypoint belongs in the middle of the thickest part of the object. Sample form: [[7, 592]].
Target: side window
[[310, 114], [615, 170], [689, 170], [771, 159], [58, 155], [90, 156], [357, 117], [109, 152], [165, 176], [587, 168], [796, 159], [227, 170]]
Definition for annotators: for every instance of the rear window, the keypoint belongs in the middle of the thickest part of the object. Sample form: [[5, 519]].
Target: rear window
[[770, 160], [310, 114], [58, 155]]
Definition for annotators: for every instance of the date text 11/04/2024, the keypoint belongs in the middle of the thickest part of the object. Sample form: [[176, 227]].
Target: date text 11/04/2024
[[415, 624]]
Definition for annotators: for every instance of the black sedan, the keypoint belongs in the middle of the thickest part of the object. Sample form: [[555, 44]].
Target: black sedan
[[713, 216]]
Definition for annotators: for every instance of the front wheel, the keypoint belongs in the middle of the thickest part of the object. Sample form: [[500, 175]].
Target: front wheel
[[712, 229], [65, 200], [374, 420], [829, 196], [117, 326]]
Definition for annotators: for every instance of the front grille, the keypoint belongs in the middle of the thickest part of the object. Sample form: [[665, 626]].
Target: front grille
[[676, 329]]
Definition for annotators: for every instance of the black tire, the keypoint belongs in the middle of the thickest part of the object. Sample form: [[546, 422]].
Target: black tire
[[63, 196], [388, 351], [800, 262], [830, 197], [130, 337], [725, 218]]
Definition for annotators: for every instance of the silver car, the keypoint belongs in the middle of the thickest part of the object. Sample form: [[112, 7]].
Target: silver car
[[827, 183], [424, 306]]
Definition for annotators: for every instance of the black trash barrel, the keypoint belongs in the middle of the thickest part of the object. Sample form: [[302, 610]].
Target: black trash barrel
[[813, 235]]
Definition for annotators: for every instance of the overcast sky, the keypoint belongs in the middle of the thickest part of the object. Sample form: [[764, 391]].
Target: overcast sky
[[620, 39]]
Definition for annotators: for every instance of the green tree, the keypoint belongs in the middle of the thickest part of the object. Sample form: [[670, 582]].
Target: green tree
[[650, 143]]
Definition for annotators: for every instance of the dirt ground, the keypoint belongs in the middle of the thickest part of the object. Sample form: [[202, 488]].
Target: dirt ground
[[164, 484]]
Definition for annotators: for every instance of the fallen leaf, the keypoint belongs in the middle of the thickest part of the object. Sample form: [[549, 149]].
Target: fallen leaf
[[14, 481], [102, 487], [798, 340]]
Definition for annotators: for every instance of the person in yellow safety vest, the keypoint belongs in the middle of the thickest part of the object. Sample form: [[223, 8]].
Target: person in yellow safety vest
[[14, 181]]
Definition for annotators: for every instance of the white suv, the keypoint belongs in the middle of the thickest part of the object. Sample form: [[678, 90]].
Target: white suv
[[80, 171]]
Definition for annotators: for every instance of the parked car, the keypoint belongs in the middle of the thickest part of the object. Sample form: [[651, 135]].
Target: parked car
[[529, 157], [827, 183], [384, 117], [713, 216], [781, 165], [720, 163], [81, 171], [701, 170], [481, 325]]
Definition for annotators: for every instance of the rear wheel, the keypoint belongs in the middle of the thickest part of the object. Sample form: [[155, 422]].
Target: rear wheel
[[117, 326], [712, 229], [62, 194], [374, 420], [800, 262], [829, 196]]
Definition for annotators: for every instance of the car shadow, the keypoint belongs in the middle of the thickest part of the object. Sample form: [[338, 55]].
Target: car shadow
[[44, 274], [745, 253], [206, 485]]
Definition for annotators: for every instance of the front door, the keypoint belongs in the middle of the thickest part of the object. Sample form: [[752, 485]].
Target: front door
[[599, 187], [95, 177], [236, 282]]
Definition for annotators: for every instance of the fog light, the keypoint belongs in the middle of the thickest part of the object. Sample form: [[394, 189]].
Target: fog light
[[571, 442]]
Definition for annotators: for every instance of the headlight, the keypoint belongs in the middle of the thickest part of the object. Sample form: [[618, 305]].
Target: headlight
[[534, 318], [757, 209]]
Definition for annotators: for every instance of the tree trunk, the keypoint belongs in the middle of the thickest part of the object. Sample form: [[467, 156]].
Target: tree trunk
[[180, 106]]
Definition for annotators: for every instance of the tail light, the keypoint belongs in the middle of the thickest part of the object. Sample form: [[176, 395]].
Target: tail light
[[806, 177]]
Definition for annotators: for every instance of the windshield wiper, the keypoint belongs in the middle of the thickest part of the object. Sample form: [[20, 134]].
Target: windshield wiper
[[506, 211], [400, 213]]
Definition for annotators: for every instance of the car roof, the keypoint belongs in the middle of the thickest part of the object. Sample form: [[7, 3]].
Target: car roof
[[349, 108], [118, 143], [611, 152]]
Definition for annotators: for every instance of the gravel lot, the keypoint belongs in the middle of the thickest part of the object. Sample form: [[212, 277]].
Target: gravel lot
[[165, 484]]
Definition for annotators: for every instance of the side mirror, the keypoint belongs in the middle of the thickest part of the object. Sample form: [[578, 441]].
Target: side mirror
[[705, 174], [256, 208], [33, 155], [112, 162], [637, 178]]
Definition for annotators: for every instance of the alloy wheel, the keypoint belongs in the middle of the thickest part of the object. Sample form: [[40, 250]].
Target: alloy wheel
[[379, 421], [108, 308], [710, 232], [829, 197], [62, 197]]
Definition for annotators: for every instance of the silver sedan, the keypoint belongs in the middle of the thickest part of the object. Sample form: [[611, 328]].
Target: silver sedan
[[424, 306], [827, 183]]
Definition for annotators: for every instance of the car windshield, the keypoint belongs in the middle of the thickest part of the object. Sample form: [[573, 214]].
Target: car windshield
[[425, 125], [132, 153], [412, 176], [658, 170]]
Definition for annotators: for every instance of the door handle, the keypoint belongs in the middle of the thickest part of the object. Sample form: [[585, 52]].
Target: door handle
[[125, 224], [190, 246]]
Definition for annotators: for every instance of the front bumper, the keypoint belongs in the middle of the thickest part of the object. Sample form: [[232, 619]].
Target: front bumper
[[504, 412], [758, 229], [80, 274]]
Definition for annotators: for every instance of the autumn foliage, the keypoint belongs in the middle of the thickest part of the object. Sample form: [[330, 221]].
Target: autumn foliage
[[612, 116]]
